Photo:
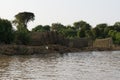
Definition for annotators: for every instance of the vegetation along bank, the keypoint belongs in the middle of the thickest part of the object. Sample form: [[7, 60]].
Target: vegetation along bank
[[80, 36]]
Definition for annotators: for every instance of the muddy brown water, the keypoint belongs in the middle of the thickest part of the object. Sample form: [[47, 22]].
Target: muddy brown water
[[67, 66]]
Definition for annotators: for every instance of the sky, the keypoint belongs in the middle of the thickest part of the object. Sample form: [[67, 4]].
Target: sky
[[63, 11]]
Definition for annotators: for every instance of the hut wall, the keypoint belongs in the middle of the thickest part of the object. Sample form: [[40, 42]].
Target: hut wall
[[80, 42], [103, 43], [43, 38]]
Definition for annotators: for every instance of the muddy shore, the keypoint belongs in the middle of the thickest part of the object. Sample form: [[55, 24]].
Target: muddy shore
[[29, 50]]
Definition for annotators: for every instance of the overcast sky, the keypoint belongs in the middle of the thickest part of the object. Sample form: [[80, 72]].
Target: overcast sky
[[63, 11]]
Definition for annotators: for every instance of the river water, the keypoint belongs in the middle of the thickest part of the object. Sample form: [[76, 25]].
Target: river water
[[67, 66]]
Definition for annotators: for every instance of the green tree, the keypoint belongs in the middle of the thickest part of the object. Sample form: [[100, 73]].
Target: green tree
[[96, 32], [46, 28], [116, 26], [81, 33], [22, 37], [106, 30], [69, 33], [22, 18], [112, 33], [57, 27], [41, 28], [117, 38], [89, 34], [6, 31], [82, 25], [38, 28], [81, 28], [99, 30]]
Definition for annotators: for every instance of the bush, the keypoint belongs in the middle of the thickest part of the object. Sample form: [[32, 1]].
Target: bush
[[22, 37], [6, 31]]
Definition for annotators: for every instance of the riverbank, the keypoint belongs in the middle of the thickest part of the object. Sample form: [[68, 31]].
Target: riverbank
[[29, 50]]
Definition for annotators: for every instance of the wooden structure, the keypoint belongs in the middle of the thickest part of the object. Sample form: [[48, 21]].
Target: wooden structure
[[80, 42], [103, 43], [44, 38]]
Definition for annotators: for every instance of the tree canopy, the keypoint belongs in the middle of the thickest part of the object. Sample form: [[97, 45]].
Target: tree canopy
[[6, 31], [79, 29], [22, 18], [82, 25], [41, 28]]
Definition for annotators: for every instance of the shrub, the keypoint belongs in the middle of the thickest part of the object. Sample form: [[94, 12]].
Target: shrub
[[6, 31], [22, 37]]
